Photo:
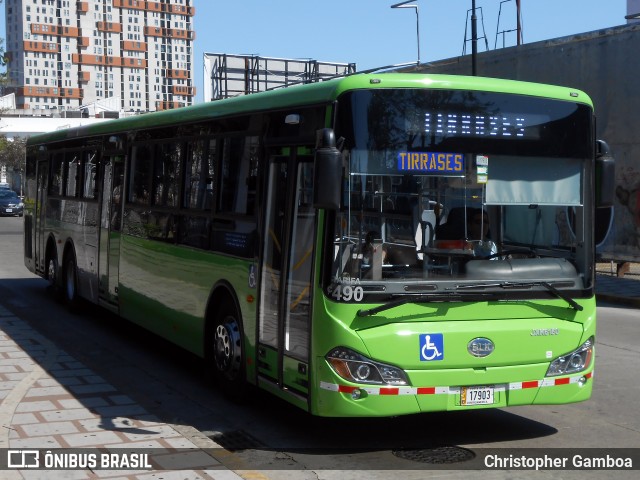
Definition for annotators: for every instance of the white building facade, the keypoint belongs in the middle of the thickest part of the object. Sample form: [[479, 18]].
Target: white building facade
[[66, 54]]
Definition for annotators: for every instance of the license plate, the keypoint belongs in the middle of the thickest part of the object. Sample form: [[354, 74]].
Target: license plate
[[9, 210], [476, 395]]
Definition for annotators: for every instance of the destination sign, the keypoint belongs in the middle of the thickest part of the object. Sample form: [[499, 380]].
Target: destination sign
[[431, 162], [452, 124]]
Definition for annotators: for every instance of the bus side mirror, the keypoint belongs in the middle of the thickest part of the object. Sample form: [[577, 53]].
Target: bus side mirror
[[327, 184], [605, 175]]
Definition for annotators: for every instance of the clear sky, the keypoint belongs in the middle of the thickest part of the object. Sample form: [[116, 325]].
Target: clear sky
[[370, 33]]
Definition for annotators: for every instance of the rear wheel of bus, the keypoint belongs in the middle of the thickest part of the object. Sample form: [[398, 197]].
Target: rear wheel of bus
[[70, 283], [52, 269]]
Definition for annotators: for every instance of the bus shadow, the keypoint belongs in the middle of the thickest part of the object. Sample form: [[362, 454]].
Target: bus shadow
[[423, 441], [425, 430], [79, 358], [261, 427]]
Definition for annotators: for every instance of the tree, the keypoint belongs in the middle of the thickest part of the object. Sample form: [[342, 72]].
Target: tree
[[12, 153]]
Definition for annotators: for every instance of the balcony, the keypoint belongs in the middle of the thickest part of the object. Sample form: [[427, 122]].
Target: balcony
[[55, 30], [183, 34], [104, 60], [182, 10], [85, 59], [133, 46], [184, 90], [179, 74], [42, 47], [168, 105], [109, 27], [155, 7], [169, 33], [129, 62], [132, 4], [50, 92]]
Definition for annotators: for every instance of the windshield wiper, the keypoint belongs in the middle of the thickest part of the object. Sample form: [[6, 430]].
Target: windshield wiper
[[561, 295], [515, 285], [434, 297], [443, 296]]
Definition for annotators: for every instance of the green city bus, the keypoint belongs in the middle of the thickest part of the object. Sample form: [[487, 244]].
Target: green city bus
[[372, 245]]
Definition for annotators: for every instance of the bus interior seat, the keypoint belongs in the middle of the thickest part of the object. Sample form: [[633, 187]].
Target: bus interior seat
[[454, 228], [400, 255], [424, 224]]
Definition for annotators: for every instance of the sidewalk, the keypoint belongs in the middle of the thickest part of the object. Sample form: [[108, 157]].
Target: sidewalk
[[619, 290], [50, 401]]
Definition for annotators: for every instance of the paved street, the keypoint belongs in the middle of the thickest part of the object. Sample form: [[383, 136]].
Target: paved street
[[623, 290], [51, 400]]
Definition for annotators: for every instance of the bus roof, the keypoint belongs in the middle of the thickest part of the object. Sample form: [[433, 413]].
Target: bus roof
[[309, 94]]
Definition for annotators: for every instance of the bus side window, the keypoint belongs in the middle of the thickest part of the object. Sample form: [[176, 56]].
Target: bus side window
[[199, 178], [140, 175], [90, 166], [239, 167], [56, 183], [72, 161], [166, 173]]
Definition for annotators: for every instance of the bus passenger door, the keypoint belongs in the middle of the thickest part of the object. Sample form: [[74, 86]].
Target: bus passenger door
[[286, 278], [39, 215], [110, 227]]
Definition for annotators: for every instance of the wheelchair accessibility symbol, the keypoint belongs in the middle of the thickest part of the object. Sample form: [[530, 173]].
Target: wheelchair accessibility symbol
[[431, 347]]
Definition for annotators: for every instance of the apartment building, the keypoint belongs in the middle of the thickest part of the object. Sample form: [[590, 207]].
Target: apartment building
[[134, 55]]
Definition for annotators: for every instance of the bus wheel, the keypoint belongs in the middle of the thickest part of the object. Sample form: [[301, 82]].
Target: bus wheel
[[71, 283], [225, 352], [52, 272], [227, 348]]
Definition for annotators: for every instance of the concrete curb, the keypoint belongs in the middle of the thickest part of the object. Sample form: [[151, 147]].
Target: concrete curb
[[618, 300]]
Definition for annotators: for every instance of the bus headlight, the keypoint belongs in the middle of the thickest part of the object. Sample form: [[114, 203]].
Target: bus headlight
[[356, 368], [573, 362]]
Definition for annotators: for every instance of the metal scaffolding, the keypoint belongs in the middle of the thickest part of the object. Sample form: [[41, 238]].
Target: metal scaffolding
[[232, 75]]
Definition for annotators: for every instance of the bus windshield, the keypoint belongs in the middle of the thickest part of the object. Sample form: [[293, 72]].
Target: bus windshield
[[451, 187]]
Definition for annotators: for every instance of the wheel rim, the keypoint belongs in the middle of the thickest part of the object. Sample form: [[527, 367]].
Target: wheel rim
[[227, 349], [51, 271]]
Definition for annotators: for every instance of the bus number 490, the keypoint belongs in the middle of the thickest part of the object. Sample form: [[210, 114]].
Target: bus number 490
[[348, 293]]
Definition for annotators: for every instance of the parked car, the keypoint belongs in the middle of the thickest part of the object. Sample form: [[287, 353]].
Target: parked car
[[5, 186], [10, 204]]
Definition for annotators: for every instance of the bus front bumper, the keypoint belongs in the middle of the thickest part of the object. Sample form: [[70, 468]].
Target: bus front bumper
[[338, 398]]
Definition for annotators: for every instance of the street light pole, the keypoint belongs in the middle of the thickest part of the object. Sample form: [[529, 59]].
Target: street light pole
[[404, 5], [474, 39]]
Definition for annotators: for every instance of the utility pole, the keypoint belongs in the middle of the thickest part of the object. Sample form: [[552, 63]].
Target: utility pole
[[474, 39], [519, 27]]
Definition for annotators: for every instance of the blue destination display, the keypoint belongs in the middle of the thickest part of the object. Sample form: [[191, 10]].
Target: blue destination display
[[431, 162]]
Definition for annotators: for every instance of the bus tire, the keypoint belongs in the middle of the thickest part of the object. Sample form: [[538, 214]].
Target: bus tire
[[225, 355], [52, 271], [70, 283]]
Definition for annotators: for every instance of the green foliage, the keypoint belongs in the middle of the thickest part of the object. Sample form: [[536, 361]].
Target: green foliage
[[12, 153]]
